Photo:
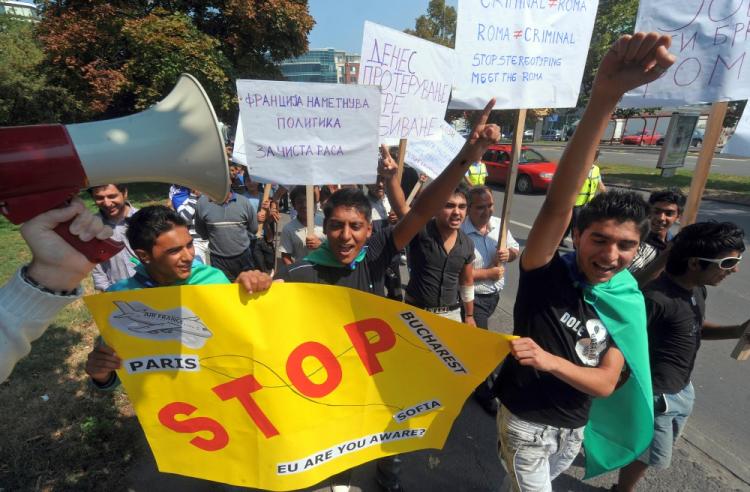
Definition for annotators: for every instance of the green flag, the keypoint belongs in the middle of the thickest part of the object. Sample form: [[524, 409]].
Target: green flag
[[621, 426]]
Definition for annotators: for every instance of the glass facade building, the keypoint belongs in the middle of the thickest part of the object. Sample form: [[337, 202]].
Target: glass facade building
[[313, 66], [325, 65]]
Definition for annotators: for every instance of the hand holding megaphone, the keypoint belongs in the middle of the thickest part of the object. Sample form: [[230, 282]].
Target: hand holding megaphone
[[176, 141], [56, 265]]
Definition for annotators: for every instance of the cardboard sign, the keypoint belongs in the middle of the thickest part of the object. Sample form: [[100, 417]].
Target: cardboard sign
[[238, 151], [526, 54], [432, 157], [308, 133], [710, 40], [280, 390], [739, 143], [415, 78]]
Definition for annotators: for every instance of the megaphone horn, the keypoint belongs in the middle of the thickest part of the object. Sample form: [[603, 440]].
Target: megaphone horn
[[176, 141]]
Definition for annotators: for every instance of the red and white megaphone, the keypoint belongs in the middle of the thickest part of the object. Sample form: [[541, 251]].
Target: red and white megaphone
[[175, 141]]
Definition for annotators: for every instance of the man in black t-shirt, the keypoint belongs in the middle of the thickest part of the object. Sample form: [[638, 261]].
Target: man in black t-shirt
[[666, 209], [564, 356], [702, 254], [356, 256]]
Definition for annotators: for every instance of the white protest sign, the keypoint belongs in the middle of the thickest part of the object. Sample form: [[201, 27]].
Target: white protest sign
[[307, 133], [710, 41], [415, 78], [524, 53], [739, 143], [238, 151], [431, 157]]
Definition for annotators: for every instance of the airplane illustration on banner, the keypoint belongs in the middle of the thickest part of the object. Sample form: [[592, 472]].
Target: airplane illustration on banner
[[139, 320]]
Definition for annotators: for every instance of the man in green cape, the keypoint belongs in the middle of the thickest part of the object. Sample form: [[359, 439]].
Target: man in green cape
[[581, 364]]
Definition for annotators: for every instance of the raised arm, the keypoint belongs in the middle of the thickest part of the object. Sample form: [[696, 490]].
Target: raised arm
[[388, 168], [631, 62], [441, 188]]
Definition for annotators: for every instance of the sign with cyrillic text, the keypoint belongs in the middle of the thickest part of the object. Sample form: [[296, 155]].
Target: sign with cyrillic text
[[415, 78], [309, 133], [432, 157], [739, 142], [279, 390], [710, 41], [524, 53]]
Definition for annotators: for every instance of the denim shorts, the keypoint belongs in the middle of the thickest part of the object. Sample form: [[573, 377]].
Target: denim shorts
[[534, 454], [670, 416]]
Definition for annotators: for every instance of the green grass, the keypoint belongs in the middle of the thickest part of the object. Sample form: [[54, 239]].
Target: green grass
[[78, 439], [718, 185]]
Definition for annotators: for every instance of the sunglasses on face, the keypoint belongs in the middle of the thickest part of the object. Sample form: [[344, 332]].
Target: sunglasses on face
[[724, 263]]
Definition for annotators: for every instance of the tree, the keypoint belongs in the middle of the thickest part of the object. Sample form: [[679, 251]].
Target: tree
[[438, 25], [26, 96], [613, 19], [123, 55]]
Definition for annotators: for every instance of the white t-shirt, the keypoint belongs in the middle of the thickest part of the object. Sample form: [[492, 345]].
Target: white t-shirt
[[294, 235]]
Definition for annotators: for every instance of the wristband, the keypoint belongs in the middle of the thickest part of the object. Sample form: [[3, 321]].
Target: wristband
[[40, 287], [466, 293]]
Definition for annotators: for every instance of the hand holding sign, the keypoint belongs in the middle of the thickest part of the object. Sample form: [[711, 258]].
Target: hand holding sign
[[631, 62]]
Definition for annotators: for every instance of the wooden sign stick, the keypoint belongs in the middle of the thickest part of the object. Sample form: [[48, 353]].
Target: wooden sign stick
[[510, 181], [742, 349], [401, 157], [266, 192], [310, 200], [414, 192], [703, 165]]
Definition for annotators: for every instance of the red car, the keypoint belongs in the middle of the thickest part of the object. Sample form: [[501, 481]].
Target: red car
[[645, 136], [534, 171]]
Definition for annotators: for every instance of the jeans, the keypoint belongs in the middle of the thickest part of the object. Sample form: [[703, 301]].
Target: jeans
[[670, 416], [534, 454]]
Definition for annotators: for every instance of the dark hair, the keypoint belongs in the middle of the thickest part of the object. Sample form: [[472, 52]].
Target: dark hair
[[149, 223], [296, 193], [122, 188], [704, 239], [622, 206], [462, 190], [348, 197], [670, 195], [477, 191]]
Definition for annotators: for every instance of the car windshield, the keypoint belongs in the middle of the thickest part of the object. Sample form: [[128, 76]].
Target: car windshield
[[531, 156]]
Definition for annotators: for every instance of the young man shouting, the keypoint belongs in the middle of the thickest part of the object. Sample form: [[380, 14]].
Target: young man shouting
[[568, 309], [356, 256]]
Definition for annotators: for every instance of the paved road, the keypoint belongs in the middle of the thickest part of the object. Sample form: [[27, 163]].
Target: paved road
[[647, 158], [719, 425]]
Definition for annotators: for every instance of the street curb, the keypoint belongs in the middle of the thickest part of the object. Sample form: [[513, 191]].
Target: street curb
[[623, 183]]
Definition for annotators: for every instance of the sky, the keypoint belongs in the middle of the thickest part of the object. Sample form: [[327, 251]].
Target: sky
[[338, 24]]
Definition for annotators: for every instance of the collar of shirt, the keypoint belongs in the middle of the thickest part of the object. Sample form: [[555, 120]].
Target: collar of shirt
[[121, 222]]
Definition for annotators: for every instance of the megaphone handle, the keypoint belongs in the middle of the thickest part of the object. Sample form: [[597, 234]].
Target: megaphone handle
[[96, 250]]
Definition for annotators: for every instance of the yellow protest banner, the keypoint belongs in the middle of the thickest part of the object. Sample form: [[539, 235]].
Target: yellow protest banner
[[283, 389]]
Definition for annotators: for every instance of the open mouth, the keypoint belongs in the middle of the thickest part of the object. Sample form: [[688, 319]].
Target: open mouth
[[345, 249], [603, 270]]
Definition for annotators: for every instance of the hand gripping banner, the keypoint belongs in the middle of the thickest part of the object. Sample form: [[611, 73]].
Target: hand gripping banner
[[283, 389]]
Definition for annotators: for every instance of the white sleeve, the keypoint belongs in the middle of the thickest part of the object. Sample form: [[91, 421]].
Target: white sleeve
[[25, 312], [286, 245], [512, 243]]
